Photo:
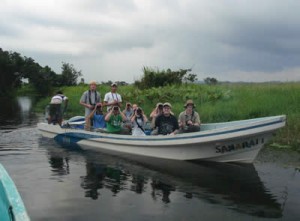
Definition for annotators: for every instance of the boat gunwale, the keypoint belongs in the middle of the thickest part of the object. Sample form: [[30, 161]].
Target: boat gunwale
[[94, 136], [12, 196]]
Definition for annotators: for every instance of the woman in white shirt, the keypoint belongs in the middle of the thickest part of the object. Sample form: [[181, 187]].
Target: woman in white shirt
[[138, 120]]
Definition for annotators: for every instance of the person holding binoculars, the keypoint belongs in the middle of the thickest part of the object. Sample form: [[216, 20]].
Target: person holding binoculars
[[139, 121], [158, 110], [114, 120], [96, 119]]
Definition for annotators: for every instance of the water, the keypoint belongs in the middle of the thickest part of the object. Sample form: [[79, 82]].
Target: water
[[66, 184]]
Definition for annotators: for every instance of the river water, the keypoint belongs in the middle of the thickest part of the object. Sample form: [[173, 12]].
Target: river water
[[57, 183]]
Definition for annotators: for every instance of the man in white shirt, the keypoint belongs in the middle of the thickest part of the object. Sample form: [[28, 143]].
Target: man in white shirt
[[112, 98], [55, 109], [59, 98]]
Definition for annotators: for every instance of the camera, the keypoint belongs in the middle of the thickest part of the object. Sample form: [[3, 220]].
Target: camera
[[116, 108], [160, 106]]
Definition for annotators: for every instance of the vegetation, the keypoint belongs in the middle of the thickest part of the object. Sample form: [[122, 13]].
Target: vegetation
[[155, 78], [215, 103], [69, 75], [210, 81], [14, 68]]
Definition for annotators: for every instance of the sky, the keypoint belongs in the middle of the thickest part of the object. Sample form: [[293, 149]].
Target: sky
[[230, 40]]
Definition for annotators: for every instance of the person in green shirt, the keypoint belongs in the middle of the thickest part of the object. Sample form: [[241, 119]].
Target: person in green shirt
[[114, 119]]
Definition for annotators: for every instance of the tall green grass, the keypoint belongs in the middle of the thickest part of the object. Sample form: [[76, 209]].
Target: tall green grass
[[259, 100], [218, 103]]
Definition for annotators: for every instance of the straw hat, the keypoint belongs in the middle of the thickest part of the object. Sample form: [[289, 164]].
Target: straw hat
[[189, 102], [167, 104], [158, 104]]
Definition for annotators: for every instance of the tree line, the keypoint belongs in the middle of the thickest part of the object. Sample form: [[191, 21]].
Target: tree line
[[14, 68]]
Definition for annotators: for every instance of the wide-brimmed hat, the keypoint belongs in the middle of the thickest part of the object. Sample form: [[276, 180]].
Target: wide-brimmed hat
[[114, 84], [159, 104], [93, 82], [167, 104], [189, 102]]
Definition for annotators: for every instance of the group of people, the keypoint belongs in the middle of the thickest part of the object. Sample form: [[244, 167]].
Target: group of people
[[132, 120], [165, 122], [129, 121]]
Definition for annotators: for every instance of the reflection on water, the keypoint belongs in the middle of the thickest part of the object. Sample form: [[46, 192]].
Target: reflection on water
[[235, 186], [162, 189], [25, 104], [59, 165], [100, 176], [16, 112], [138, 183]]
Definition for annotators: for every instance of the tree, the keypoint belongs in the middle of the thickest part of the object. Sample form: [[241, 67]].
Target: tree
[[42, 78], [210, 81], [106, 83], [69, 75], [156, 78], [190, 78], [14, 67], [47, 79], [10, 71]]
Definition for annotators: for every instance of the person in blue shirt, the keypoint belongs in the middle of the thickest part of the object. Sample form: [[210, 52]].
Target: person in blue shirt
[[97, 117]]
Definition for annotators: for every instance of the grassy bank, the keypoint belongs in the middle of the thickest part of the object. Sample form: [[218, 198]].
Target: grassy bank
[[218, 103]]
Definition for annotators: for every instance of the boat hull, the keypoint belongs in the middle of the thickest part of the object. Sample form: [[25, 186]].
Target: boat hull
[[239, 141], [11, 204]]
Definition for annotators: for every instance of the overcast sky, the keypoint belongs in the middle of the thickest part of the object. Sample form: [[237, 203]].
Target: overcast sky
[[231, 40]]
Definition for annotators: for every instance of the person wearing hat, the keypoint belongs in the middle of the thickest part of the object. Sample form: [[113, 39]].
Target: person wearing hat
[[166, 123], [114, 120], [90, 98], [189, 120], [158, 110], [112, 98], [97, 118], [128, 111]]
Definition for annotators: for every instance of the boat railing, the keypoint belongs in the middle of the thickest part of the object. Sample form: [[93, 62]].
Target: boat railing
[[211, 126]]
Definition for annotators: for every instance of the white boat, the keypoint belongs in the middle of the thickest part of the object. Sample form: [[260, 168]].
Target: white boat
[[235, 141]]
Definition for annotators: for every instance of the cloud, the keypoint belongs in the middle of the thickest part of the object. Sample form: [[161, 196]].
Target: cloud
[[113, 40]]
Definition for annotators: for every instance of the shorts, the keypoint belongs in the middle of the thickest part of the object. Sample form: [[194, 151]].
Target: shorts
[[55, 112]]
